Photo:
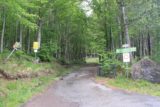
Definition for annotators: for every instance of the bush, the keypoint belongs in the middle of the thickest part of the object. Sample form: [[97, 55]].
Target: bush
[[44, 55], [4, 55], [46, 52], [18, 54], [110, 65]]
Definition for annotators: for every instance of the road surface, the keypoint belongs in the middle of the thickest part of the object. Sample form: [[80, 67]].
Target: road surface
[[79, 90]]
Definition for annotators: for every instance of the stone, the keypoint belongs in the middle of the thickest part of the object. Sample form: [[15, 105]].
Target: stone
[[1, 76], [146, 69]]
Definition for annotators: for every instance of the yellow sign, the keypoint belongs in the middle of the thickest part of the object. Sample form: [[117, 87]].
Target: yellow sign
[[35, 45]]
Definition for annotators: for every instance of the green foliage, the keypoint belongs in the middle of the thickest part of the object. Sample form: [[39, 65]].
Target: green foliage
[[20, 91], [12, 86], [92, 60], [60, 24], [46, 52], [21, 62], [4, 55], [22, 56], [156, 56], [17, 92], [140, 86], [19, 54], [110, 64], [45, 55], [18, 10]]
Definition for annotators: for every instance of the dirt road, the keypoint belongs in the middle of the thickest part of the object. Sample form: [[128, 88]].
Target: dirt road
[[79, 90]]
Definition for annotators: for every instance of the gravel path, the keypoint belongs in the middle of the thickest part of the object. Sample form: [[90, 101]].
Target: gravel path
[[79, 90]]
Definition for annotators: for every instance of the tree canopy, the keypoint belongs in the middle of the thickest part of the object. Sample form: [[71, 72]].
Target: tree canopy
[[65, 30]]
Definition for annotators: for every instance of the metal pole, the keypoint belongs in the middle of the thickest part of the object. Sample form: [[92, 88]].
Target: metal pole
[[35, 56], [127, 72], [10, 54]]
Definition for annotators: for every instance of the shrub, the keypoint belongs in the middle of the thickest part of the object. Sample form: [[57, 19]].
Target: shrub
[[19, 54], [46, 52], [110, 65], [44, 55]]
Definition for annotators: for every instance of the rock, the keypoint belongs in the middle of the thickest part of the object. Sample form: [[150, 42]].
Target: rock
[[146, 69], [1, 76]]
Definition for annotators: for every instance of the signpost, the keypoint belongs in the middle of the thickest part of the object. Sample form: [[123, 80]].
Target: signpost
[[35, 45], [35, 48], [126, 50], [16, 46]]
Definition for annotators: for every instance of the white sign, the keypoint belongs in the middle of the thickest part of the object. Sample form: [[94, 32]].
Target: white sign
[[35, 51], [125, 45], [126, 57], [17, 45]]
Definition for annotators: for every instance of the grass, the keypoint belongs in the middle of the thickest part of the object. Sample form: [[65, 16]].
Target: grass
[[23, 66], [19, 91], [92, 60], [140, 86], [14, 93]]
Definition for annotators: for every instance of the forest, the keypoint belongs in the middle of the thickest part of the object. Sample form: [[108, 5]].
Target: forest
[[71, 31], [65, 30], [68, 33]]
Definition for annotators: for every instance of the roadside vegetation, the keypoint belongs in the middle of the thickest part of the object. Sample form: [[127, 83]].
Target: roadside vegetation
[[120, 81], [32, 78], [129, 85], [15, 93]]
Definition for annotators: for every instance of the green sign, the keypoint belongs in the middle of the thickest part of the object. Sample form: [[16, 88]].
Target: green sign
[[126, 50]]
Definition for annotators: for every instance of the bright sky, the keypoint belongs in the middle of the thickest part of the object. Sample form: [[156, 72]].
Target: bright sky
[[86, 7]]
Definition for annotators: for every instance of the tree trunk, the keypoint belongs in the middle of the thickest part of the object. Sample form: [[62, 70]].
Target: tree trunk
[[119, 33], [112, 39], [142, 45], [149, 44], [29, 41], [125, 24], [39, 33], [21, 35], [3, 30]]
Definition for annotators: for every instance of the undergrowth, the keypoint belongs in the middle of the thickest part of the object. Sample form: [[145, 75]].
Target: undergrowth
[[14, 93]]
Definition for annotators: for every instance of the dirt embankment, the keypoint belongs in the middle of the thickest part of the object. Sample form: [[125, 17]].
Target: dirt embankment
[[22, 75]]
